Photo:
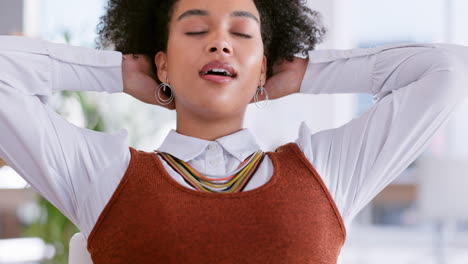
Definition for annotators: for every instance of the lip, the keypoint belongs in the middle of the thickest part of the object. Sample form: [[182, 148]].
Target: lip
[[220, 65], [217, 79]]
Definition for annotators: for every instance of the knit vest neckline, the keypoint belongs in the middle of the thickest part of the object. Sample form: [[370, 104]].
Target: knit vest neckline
[[271, 182]]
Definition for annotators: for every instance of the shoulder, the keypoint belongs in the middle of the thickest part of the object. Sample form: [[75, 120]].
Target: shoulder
[[303, 141]]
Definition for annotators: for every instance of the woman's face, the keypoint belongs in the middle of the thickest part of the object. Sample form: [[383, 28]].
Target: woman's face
[[230, 33]]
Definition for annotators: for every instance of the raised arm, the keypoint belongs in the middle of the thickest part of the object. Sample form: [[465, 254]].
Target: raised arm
[[416, 89], [64, 163]]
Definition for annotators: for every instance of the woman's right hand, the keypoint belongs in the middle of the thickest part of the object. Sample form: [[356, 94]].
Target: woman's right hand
[[140, 81]]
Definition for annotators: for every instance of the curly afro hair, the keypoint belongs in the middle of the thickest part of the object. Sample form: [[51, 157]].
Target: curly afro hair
[[288, 27]]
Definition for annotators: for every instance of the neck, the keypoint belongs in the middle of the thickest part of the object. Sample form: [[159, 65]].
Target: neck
[[208, 129]]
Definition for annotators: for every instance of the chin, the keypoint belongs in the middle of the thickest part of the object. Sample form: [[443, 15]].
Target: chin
[[219, 109]]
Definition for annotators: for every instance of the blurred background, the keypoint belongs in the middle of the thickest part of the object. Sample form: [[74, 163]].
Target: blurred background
[[420, 218]]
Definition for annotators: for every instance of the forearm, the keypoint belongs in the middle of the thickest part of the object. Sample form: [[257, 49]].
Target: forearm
[[397, 68], [38, 67], [369, 70]]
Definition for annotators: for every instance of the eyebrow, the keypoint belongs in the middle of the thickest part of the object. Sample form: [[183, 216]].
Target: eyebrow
[[200, 12]]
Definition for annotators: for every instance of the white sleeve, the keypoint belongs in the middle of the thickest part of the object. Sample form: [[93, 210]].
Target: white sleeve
[[60, 160], [416, 88]]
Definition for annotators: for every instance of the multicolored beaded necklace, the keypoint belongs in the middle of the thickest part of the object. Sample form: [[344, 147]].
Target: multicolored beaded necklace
[[234, 182]]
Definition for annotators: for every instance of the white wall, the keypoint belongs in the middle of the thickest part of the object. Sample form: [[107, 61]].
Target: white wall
[[20, 17], [11, 16]]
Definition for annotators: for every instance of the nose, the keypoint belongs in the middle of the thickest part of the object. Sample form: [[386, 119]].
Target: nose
[[220, 45]]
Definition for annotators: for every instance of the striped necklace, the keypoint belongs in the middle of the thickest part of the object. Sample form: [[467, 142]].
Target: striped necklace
[[229, 183]]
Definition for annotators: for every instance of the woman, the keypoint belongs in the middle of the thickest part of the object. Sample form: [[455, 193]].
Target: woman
[[209, 60]]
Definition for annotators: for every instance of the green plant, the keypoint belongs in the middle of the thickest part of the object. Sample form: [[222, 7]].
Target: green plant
[[54, 228]]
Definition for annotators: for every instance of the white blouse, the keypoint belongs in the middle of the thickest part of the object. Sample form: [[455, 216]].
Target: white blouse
[[416, 88]]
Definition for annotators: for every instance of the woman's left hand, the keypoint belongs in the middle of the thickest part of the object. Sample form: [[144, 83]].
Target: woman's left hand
[[286, 79]]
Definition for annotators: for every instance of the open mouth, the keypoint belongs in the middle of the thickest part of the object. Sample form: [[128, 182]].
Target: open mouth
[[219, 72], [218, 75], [218, 78]]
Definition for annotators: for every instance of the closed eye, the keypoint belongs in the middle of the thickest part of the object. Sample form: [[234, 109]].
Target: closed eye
[[203, 32], [242, 35]]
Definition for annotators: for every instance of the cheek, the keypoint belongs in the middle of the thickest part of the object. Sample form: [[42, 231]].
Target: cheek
[[252, 59], [252, 55], [184, 60]]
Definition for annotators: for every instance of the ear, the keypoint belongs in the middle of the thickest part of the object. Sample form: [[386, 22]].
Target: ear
[[264, 70], [161, 63]]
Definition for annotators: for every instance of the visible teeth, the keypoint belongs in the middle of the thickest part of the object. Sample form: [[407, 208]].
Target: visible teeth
[[219, 70]]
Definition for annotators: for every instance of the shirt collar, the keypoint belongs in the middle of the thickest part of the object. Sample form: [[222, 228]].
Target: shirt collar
[[239, 144]]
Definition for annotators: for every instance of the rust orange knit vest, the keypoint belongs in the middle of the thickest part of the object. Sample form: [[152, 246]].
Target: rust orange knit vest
[[151, 218]]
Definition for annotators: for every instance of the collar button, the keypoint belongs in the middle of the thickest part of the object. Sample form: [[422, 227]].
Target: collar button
[[213, 147]]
